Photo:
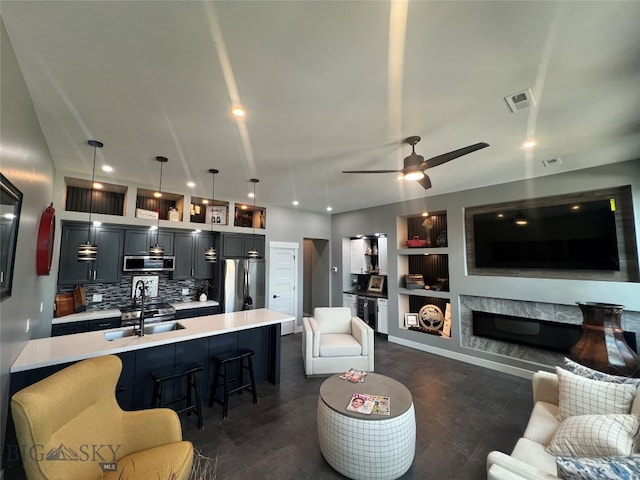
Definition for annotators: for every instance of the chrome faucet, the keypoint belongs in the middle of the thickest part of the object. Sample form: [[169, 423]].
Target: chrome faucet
[[141, 287]]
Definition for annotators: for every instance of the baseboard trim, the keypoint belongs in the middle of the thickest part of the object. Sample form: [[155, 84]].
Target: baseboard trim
[[518, 372]]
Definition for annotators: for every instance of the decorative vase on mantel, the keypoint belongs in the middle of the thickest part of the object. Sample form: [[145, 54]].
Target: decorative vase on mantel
[[602, 345]]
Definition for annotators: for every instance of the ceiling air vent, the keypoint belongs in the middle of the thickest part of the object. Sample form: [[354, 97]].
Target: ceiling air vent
[[520, 101], [552, 162]]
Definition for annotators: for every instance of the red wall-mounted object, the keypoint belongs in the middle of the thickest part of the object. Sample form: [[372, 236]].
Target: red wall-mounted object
[[46, 233]]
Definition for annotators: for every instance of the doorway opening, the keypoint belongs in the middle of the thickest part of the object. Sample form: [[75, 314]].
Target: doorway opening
[[315, 283]]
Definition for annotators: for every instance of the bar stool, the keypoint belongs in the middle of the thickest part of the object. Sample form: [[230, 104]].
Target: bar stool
[[187, 372], [225, 360]]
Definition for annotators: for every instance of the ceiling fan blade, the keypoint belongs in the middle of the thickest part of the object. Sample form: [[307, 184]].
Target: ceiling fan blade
[[425, 182], [371, 171], [445, 157]]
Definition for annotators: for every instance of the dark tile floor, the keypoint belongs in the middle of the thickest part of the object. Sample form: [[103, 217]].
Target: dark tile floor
[[462, 413]]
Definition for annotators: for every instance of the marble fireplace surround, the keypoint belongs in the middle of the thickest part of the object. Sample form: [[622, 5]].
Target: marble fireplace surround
[[542, 311]]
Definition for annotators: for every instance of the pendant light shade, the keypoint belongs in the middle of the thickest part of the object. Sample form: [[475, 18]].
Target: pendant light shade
[[210, 254], [156, 251], [253, 253], [88, 252]]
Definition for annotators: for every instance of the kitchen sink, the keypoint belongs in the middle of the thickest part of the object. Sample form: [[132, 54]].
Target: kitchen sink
[[162, 327], [148, 330]]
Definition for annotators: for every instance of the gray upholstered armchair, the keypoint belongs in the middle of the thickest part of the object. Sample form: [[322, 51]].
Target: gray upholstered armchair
[[333, 342]]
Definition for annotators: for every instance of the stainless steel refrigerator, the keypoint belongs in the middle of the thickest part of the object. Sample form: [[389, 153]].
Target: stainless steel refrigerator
[[244, 284]]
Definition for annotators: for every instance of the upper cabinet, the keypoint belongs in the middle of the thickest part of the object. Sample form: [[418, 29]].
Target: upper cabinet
[[137, 241], [108, 266], [236, 245], [189, 252], [357, 255]]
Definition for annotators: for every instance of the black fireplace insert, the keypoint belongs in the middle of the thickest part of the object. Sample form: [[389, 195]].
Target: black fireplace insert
[[544, 334]]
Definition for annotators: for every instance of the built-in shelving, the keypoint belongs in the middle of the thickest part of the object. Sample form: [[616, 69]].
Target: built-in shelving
[[431, 261]]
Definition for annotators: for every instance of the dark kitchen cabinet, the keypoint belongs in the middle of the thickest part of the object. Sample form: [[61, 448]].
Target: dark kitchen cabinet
[[82, 326], [236, 245], [108, 266], [126, 382], [147, 361], [196, 312], [137, 241], [103, 324], [189, 250], [59, 329]]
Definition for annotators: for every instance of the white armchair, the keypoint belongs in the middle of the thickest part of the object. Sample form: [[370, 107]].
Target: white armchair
[[333, 342]]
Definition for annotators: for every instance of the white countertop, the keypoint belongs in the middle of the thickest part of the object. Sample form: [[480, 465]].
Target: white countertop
[[115, 312], [43, 352]]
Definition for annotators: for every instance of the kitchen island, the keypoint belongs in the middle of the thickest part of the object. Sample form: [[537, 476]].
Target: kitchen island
[[195, 340]]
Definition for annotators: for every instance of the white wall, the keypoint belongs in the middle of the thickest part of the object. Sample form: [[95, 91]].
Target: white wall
[[26, 162], [292, 225]]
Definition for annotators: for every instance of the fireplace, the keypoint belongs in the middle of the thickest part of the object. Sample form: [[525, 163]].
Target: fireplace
[[531, 332]]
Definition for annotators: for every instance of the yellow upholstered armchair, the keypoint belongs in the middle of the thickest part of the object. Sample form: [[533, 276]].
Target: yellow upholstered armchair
[[70, 426]]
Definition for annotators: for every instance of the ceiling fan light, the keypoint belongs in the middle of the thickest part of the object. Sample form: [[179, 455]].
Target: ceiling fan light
[[414, 175]]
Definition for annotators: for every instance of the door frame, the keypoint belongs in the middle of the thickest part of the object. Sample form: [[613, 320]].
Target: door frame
[[294, 248]]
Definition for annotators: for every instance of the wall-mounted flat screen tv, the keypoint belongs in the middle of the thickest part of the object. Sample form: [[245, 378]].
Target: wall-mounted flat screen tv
[[579, 235]]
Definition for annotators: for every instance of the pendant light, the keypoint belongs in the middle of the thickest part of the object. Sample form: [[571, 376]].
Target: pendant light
[[253, 253], [157, 251], [210, 254], [88, 252]]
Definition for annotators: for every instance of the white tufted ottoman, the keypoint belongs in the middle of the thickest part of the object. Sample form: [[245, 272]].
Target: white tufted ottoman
[[363, 446]]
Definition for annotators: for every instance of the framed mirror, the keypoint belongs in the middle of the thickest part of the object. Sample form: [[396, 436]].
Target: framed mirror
[[10, 205]]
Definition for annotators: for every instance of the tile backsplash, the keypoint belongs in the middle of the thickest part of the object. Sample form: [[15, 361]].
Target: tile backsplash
[[115, 295]]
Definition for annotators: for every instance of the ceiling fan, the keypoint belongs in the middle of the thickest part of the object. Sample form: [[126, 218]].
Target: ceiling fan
[[415, 165]]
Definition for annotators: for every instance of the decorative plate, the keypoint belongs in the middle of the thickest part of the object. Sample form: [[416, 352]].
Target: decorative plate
[[431, 317]]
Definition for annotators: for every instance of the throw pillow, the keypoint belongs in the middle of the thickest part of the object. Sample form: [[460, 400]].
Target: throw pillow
[[610, 468], [584, 371], [582, 396], [595, 436]]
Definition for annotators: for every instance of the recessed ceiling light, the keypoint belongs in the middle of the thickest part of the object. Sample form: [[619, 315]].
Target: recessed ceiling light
[[329, 209], [205, 201], [295, 203], [97, 185], [191, 184], [97, 223], [529, 144], [107, 168], [243, 207], [425, 214], [238, 112], [157, 194]]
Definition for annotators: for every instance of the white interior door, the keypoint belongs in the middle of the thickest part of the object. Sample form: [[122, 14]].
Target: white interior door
[[283, 281]]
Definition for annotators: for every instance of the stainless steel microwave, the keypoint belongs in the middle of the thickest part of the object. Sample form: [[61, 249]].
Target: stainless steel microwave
[[145, 263]]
